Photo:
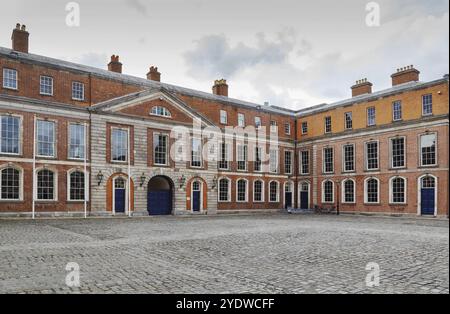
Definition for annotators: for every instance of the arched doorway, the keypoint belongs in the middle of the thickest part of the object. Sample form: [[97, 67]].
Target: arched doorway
[[196, 197], [427, 195], [288, 192], [120, 195], [304, 195], [160, 196]]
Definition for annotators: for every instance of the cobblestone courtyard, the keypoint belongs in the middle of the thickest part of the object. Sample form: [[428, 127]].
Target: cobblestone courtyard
[[232, 254]]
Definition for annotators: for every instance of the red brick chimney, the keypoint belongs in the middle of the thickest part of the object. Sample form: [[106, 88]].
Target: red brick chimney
[[115, 65], [362, 87], [154, 75], [20, 38], [220, 88], [405, 75]]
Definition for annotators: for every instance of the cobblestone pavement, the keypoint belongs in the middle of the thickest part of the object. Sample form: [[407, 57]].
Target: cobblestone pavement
[[225, 254]]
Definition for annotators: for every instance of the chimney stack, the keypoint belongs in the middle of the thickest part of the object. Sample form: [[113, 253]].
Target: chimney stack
[[154, 75], [362, 87], [115, 65], [220, 88], [20, 38], [405, 75]]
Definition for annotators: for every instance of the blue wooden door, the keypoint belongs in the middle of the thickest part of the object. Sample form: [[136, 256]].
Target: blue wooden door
[[159, 203], [196, 195], [304, 200], [119, 200], [288, 199], [427, 201]]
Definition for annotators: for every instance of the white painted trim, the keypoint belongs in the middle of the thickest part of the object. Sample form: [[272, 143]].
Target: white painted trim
[[366, 157], [419, 194], [262, 191], [68, 173], [292, 188], [343, 157], [229, 190], [155, 133], [300, 191], [278, 191], [21, 182], [53, 85], [55, 138], [391, 191], [323, 191], [39, 109], [6, 114], [55, 185], [127, 129], [419, 149], [343, 201], [301, 162], [86, 137], [292, 161], [391, 152], [366, 194], [201, 195], [245, 157], [114, 193], [246, 190], [323, 159]]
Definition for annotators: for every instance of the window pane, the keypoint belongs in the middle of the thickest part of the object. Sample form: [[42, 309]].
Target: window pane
[[305, 162], [349, 190], [427, 104], [223, 190], [46, 138], [273, 156], [119, 145], [288, 162], [274, 192], [372, 191], [328, 191], [46, 85], [9, 134], [371, 116], [258, 190], [196, 153], [77, 141], [10, 184], [45, 185], [397, 110], [428, 149], [78, 91], [349, 158], [398, 152], [77, 186], [160, 148], [398, 190], [10, 78], [372, 155], [328, 160], [242, 190]]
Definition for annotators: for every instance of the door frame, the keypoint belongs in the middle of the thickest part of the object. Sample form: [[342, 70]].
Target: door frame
[[419, 194], [300, 193], [114, 193], [201, 195], [291, 183]]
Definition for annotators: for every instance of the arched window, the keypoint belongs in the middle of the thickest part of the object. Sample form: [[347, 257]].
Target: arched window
[[349, 191], [328, 191], [398, 190], [241, 190], [274, 192], [161, 111], [428, 183], [258, 191], [10, 184], [196, 186], [76, 186], [372, 195], [46, 185], [224, 190]]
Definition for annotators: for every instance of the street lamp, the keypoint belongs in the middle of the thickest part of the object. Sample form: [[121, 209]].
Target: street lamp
[[99, 177], [143, 178]]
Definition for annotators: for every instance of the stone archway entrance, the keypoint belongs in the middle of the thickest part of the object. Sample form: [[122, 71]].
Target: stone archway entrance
[[160, 196]]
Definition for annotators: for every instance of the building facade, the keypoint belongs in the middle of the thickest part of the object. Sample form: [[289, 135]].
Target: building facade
[[80, 140]]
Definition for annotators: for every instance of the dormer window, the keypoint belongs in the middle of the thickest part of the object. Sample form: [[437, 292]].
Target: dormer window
[[161, 111]]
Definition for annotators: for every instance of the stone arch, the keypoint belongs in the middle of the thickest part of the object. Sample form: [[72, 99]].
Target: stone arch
[[110, 190], [189, 193]]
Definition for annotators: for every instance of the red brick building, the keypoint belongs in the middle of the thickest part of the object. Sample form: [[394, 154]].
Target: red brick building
[[76, 139]]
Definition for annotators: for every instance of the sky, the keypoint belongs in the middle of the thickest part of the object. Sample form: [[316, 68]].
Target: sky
[[291, 53]]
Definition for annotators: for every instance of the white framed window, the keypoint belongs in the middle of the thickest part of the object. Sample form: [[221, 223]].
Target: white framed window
[[46, 138], [274, 191], [372, 191], [76, 185], [161, 111], [304, 162], [349, 157], [241, 120], [160, 149], [371, 118], [287, 128], [304, 127], [119, 145], [348, 121], [288, 161], [328, 160], [258, 191], [196, 153], [372, 155], [46, 85], [11, 183], [10, 134], [328, 125], [224, 190], [273, 126], [77, 91], [273, 161], [328, 191], [349, 191], [46, 185], [223, 117], [10, 79], [397, 190], [398, 150], [258, 122], [428, 149], [242, 157], [397, 111], [427, 105], [224, 152], [258, 159], [241, 191], [77, 140]]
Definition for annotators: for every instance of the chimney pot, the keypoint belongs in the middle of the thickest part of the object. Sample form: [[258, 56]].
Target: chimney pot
[[220, 88], [154, 74], [362, 86], [20, 38], [115, 65], [405, 75]]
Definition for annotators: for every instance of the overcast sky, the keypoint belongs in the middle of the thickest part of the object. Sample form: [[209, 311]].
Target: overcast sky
[[291, 53]]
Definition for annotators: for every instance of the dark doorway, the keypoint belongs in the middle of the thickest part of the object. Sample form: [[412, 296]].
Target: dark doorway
[[160, 196]]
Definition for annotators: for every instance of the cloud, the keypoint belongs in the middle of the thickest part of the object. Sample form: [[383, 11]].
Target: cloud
[[98, 60], [138, 6]]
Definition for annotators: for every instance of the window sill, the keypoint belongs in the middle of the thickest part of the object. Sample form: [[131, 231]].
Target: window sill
[[396, 168], [398, 204], [77, 201], [79, 100], [348, 172], [12, 201], [349, 204], [46, 95], [47, 157], [428, 167], [11, 89], [11, 155]]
